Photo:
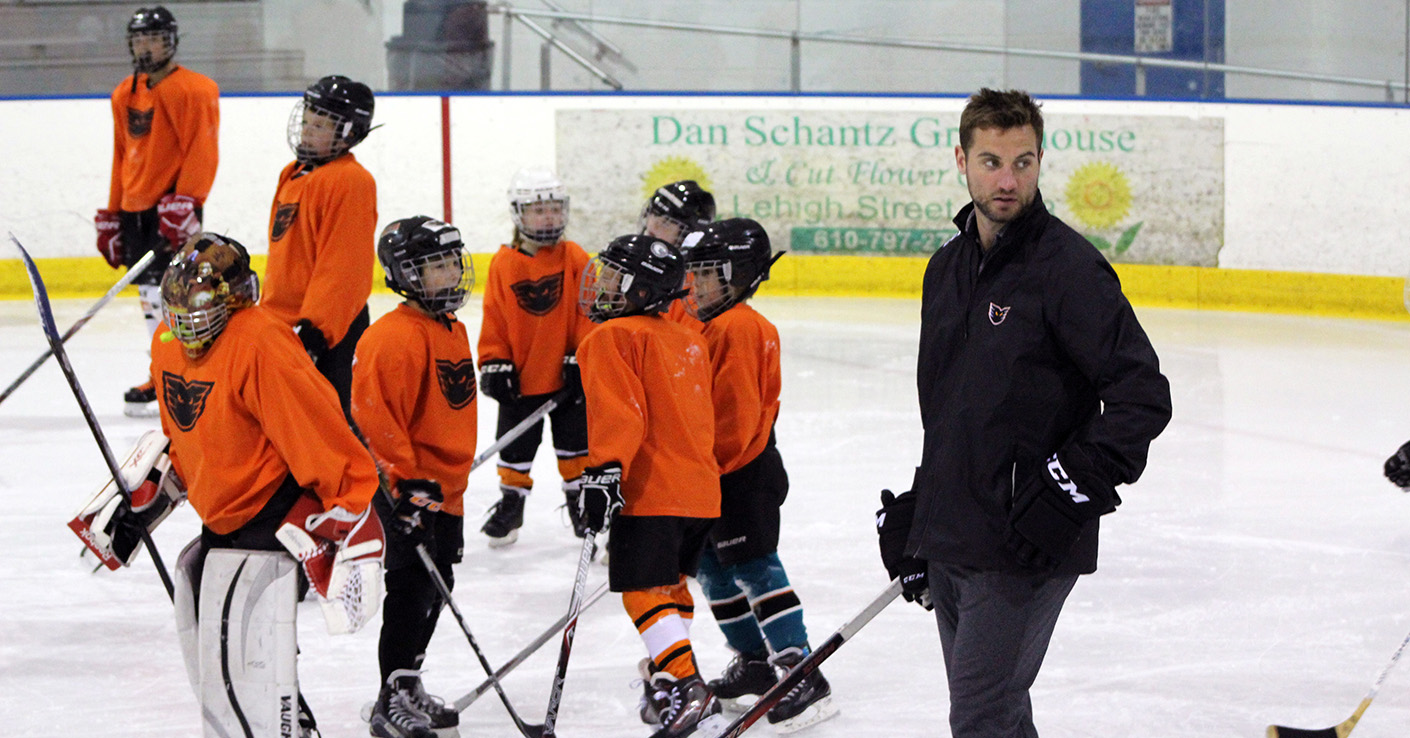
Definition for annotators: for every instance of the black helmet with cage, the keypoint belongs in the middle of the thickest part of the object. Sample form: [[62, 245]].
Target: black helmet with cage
[[675, 210], [427, 262], [635, 274], [154, 22], [727, 262], [207, 280], [334, 115]]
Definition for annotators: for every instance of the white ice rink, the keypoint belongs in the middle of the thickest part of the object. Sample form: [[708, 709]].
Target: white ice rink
[[1259, 572]]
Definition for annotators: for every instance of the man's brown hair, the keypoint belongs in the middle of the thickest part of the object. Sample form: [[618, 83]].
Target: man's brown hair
[[1002, 110]]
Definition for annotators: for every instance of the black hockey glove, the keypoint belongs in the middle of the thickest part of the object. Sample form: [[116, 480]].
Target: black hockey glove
[[499, 381], [601, 496], [893, 527], [1052, 500], [572, 379], [1398, 468], [315, 343], [411, 515]]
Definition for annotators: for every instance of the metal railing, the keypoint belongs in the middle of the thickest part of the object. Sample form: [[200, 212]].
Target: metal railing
[[796, 38]]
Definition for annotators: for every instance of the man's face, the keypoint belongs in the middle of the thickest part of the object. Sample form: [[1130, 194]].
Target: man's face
[[1001, 168]]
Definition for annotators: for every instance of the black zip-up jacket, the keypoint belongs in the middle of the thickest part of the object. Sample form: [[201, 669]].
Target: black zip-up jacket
[[1024, 352]]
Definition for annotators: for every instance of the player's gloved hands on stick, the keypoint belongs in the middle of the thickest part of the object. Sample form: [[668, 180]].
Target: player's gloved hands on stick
[[1398, 468], [110, 237], [601, 496], [1052, 500], [893, 527], [177, 221], [572, 378], [411, 513], [499, 381], [315, 343]]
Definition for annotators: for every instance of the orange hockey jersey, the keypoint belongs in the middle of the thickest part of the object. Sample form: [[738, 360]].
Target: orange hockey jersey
[[678, 314], [744, 356], [531, 314], [414, 399], [647, 382], [322, 245], [165, 139], [249, 412]]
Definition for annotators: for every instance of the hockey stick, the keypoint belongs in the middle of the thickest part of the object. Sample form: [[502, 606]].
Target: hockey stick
[[518, 430], [132, 273], [1342, 729], [51, 332], [469, 698], [529, 730], [811, 663], [575, 608]]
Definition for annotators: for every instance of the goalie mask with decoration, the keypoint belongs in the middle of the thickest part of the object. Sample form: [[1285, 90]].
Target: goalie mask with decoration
[[726, 264], [151, 38], [676, 210], [538, 204], [634, 275], [209, 278], [427, 263], [334, 115]]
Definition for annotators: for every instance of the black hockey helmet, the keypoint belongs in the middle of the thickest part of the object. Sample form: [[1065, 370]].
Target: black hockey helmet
[[346, 104], [675, 210], [727, 263], [153, 21], [634, 274], [209, 278], [427, 263]]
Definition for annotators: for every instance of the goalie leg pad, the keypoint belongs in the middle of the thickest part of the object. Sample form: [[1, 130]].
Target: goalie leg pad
[[248, 644], [188, 581]]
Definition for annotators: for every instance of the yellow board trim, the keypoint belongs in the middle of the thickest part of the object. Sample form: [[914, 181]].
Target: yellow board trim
[[1203, 288]]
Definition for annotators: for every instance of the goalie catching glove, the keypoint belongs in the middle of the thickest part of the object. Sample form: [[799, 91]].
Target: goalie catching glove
[[601, 496], [341, 554], [111, 526]]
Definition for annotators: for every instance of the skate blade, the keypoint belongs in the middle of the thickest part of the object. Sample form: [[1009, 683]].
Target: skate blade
[[711, 726], [366, 711], [815, 713], [450, 732], [738, 705], [508, 538]]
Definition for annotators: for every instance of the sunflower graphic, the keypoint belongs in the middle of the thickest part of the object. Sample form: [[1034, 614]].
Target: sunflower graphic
[[673, 169], [1099, 195]]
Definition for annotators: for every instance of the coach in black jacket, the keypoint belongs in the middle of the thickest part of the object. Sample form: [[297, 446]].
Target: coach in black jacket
[[1039, 394]]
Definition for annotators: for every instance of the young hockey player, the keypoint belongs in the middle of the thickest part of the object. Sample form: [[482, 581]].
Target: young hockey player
[[323, 229], [740, 571], [671, 213], [269, 465], [527, 343], [651, 438], [414, 401], [166, 121]]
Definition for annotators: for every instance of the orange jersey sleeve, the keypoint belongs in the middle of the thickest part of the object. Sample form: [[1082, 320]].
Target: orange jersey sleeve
[[744, 357], [678, 314], [531, 315], [322, 245], [414, 400], [249, 412], [165, 139], [647, 382]]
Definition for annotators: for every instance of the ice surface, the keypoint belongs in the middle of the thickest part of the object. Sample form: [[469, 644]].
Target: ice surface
[[1257, 573]]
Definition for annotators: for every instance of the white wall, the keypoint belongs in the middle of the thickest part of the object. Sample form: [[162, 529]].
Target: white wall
[[1307, 188]]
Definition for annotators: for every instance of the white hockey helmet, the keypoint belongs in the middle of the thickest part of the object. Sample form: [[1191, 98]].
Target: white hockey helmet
[[533, 185]]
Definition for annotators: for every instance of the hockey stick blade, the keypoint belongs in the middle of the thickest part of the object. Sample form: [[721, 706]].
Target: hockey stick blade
[[570, 629], [809, 664], [132, 274], [530, 730], [1343, 729], [469, 698], [51, 332]]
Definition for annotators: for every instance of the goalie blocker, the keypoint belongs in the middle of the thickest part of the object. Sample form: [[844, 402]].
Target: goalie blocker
[[109, 525]]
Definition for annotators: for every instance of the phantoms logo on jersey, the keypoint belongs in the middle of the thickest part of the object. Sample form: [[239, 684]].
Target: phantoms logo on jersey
[[997, 314], [538, 296], [139, 122], [185, 400], [457, 379], [283, 218]]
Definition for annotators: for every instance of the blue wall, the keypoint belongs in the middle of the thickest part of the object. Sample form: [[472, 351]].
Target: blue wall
[[1108, 27]]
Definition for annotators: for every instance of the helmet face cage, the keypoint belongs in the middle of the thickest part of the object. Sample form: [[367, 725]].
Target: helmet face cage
[[634, 274], [711, 293], [334, 115], [206, 280], [602, 293], [426, 262], [151, 23], [728, 261], [538, 204]]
